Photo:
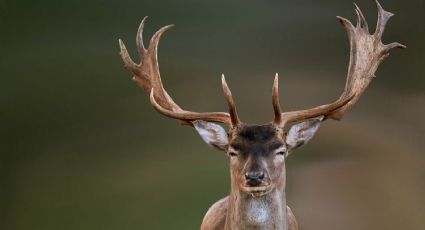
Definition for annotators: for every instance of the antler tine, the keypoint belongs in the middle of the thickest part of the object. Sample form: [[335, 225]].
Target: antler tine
[[275, 101], [128, 62], [231, 104], [383, 17], [148, 77], [139, 38], [361, 20], [366, 53]]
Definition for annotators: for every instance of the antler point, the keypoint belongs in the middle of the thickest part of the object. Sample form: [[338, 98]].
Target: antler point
[[342, 19], [120, 41]]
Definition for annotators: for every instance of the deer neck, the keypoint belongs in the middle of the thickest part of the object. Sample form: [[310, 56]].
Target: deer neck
[[264, 212]]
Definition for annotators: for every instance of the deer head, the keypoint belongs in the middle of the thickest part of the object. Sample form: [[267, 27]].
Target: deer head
[[257, 152]]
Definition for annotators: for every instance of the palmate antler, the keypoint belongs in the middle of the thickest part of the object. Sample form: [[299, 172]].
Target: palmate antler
[[366, 53], [147, 76]]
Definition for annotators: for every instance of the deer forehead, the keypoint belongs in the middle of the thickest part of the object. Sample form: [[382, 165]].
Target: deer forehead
[[256, 139]]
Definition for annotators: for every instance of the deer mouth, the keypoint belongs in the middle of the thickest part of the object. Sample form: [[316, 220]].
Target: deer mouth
[[257, 191]]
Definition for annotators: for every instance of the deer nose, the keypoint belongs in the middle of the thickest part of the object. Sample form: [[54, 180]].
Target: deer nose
[[254, 178]]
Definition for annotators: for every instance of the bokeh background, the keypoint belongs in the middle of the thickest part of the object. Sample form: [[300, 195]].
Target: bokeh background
[[81, 147]]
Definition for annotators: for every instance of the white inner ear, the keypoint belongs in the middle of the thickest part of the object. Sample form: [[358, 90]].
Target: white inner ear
[[299, 134], [214, 135]]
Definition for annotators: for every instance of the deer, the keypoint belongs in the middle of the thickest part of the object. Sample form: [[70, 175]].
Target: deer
[[257, 153]]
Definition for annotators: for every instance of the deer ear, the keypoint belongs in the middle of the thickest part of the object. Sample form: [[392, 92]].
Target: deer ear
[[299, 134], [214, 135]]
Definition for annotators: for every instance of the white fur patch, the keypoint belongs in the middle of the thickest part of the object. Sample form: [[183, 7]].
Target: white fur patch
[[257, 212]]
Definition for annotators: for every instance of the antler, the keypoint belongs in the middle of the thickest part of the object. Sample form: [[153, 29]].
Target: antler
[[366, 53], [147, 76]]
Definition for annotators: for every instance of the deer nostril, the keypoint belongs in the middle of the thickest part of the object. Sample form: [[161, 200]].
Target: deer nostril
[[261, 176], [247, 176], [253, 176]]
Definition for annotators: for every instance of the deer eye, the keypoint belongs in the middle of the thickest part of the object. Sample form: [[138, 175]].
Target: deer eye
[[232, 154], [281, 153]]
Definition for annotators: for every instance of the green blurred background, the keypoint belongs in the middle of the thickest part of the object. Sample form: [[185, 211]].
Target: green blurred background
[[83, 149]]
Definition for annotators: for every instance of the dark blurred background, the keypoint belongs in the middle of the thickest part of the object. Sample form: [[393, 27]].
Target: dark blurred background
[[82, 147]]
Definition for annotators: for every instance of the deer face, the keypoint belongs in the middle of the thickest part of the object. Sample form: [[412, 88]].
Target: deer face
[[257, 152], [257, 156]]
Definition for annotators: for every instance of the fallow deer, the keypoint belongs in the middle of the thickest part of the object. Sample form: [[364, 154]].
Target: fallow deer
[[257, 152]]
